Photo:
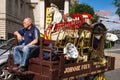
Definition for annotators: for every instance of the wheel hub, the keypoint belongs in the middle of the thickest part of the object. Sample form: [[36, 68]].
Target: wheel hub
[[5, 75]]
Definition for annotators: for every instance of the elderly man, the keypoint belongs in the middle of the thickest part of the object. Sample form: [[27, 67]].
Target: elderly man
[[28, 36]]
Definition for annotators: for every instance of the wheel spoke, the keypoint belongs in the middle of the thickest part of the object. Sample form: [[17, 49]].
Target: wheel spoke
[[5, 75], [1, 73]]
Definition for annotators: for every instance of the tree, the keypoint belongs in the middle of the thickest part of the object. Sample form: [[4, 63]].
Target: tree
[[83, 8], [117, 4]]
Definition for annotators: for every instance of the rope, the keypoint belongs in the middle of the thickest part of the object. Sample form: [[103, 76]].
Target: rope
[[5, 51], [5, 44]]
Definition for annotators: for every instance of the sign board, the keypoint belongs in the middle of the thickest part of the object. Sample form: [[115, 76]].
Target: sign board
[[48, 17], [78, 70]]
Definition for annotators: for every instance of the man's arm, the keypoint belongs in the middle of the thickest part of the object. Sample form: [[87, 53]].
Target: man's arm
[[33, 42], [19, 37]]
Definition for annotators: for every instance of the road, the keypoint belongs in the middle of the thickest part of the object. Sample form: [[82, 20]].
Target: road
[[115, 52]]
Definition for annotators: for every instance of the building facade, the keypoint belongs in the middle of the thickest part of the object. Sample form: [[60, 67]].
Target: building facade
[[12, 12]]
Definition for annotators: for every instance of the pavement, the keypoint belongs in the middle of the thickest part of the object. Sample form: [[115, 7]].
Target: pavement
[[113, 75], [115, 52]]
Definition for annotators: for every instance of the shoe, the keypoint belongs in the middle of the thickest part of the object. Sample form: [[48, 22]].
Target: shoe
[[15, 68], [22, 69]]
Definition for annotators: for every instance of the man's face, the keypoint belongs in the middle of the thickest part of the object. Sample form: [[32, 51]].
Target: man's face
[[27, 23]]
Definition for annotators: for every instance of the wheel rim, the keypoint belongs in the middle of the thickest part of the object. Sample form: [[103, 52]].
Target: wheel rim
[[5, 75]]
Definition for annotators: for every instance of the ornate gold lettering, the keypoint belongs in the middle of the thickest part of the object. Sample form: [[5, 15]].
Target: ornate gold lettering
[[86, 66], [77, 68], [94, 72], [72, 69], [71, 78], [96, 63]]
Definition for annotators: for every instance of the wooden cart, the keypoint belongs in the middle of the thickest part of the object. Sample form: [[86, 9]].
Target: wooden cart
[[90, 63]]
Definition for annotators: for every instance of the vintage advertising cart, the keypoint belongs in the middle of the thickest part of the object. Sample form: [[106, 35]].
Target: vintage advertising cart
[[73, 50], [76, 54]]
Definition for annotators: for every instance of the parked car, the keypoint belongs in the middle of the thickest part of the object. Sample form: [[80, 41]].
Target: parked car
[[3, 57], [5, 49]]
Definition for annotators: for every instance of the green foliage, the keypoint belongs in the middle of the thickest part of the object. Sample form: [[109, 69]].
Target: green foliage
[[117, 4], [118, 11], [108, 44], [95, 18], [81, 8]]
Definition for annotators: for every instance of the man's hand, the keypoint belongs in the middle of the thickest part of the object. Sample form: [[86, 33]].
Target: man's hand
[[19, 37]]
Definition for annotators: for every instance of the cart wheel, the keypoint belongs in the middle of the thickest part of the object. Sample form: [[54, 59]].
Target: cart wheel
[[4, 74], [100, 77]]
